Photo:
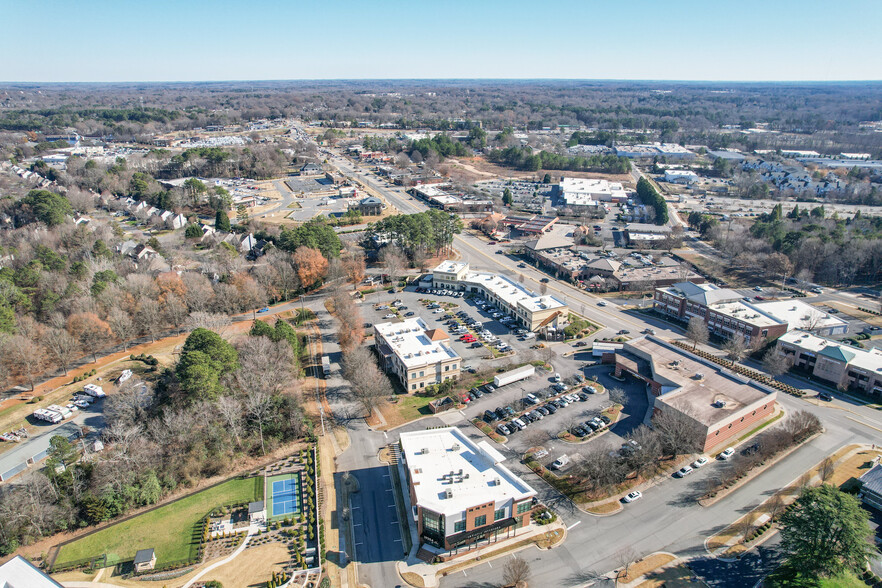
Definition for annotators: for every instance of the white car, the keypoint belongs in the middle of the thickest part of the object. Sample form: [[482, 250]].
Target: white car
[[632, 496], [727, 453], [389, 316], [700, 462], [684, 471], [438, 311], [601, 303]]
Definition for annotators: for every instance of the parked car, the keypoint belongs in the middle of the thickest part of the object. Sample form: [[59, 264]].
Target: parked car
[[579, 431], [700, 462], [624, 332], [490, 416], [605, 419], [551, 408], [389, 316], [502, 429], [727, 453], [632, 496], [826, 396], [409, 313], [684, 471], [560, 462]]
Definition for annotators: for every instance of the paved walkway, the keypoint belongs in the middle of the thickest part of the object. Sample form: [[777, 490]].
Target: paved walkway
[[252, 530]]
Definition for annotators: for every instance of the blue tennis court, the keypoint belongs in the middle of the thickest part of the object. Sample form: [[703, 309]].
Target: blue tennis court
[[286, 497]]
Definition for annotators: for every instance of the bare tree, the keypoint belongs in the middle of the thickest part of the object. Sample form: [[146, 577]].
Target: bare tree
[[258, 405], [746, 525], [776, 363], [150, 317], [616, 395], [24, 358], [826, 469], [696, 331], [230, 410], [122, 326], [775, 506], [369, 386], [217, 322], [678, 431], [62, 346], [735, 348], [393, 260], [624, 558], [516, 571]]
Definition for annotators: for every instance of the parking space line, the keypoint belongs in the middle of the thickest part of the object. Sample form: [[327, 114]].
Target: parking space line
[[573, 525]]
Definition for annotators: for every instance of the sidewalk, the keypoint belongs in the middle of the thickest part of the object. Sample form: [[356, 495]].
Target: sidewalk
[[429, 574]]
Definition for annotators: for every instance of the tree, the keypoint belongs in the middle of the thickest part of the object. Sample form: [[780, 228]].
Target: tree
[[678, 431], [62, 346], [311, 266], [205, 358], [45, 206], [242, 214], [222, 221], [696, 331], [826, 469], [735, 348], [507, 198], [369, 386], [192, 231], [23, 357], [826, 533], [92, 332], [516, 571], [776, 363], [122, 326], [393, 261], [61, 451], [625, 557]]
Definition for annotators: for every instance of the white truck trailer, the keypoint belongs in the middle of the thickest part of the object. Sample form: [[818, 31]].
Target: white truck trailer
[[514, 375], [326, 366], [94, 391]]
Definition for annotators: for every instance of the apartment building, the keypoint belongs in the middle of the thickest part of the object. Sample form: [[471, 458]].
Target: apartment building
[[419, 356], [839, 364], [720, 404], [725, 311], [531, 311], [462, 496]]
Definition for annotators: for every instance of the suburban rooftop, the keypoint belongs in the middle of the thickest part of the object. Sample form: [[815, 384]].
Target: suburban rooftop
[[446, 459], [867, 359]]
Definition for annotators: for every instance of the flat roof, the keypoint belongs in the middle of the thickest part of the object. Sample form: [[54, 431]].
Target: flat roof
[[22, 452], [867, 359], [695, 386], [409, 341], [451, 267], [513, 293], [446, 459], [799, 315], [20, 573]]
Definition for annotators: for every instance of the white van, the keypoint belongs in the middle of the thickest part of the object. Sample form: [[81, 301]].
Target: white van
[[530, 335], [560, 462]]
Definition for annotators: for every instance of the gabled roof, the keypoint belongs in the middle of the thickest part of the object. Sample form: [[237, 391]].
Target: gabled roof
[[838, 353], [604, 264]]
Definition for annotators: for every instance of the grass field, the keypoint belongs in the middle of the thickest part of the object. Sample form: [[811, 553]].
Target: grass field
[[167, 529]]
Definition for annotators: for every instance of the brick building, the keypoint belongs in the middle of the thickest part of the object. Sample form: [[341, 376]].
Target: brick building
[[841, 365], [725, 311], [721, 404], [462, 496]]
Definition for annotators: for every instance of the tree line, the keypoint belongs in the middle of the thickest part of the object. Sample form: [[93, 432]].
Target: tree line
[[524, 158], [418, 235]]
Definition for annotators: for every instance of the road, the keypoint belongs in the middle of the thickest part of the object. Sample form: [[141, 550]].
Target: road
[[667, 518]]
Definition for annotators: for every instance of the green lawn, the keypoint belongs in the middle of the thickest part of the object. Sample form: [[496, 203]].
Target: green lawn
[[844, 580], [168, 529], [413, 407]]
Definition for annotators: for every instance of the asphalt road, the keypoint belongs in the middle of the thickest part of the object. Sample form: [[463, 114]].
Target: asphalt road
[[667, 518]]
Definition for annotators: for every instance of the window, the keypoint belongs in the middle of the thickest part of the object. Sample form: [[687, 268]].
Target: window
[[480, 521], [523, 507], [422, 373], [446, 368], [499, 514], [413, 386], [459, 526], [422, 384], [432, 522]]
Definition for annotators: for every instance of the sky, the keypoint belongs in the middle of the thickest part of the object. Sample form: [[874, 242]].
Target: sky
[[201, 40]]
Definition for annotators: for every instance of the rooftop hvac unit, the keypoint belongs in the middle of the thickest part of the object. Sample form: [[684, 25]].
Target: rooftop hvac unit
[[698, 376], [454, 447], [424, 451], [448, 493], [497, 482]]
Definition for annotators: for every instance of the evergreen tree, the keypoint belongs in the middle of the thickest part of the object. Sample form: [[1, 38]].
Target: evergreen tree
[[222, 221]]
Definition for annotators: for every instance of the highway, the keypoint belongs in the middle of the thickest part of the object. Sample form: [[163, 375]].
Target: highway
[[667, 518]]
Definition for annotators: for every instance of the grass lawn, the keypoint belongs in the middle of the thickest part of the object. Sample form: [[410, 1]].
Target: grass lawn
[[167, 529], [844, 580]]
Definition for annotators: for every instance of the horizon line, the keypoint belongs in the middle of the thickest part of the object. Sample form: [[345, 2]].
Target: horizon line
[[454, 79]]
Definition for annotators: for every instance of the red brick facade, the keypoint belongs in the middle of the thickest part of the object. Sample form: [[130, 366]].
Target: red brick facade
[[747, 421]]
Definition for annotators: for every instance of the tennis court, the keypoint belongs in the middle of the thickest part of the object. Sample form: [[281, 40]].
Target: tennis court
[[285, 495]]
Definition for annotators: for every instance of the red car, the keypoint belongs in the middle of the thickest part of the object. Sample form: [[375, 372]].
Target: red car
[[465, 399]]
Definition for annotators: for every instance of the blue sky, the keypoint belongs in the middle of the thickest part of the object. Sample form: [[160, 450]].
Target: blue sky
[[194, 40]]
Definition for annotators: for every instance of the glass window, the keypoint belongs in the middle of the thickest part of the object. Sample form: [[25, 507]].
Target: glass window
[[480, 521], [446, 368], [523, 507], [422, 374], [431, 522], [499, 514], [459, 526]]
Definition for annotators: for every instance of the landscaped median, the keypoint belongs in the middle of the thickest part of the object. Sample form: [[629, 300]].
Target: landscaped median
[[840, 469]]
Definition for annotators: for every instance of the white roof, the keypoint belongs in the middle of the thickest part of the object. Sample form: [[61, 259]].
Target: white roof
[[20, 573], [435, 458], [408, 340], [513, 293], [867, 359], [451, 267], [585, 191], [799, 315]]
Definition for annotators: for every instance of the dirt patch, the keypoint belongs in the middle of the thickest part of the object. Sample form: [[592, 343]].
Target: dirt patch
[[413, 579]]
